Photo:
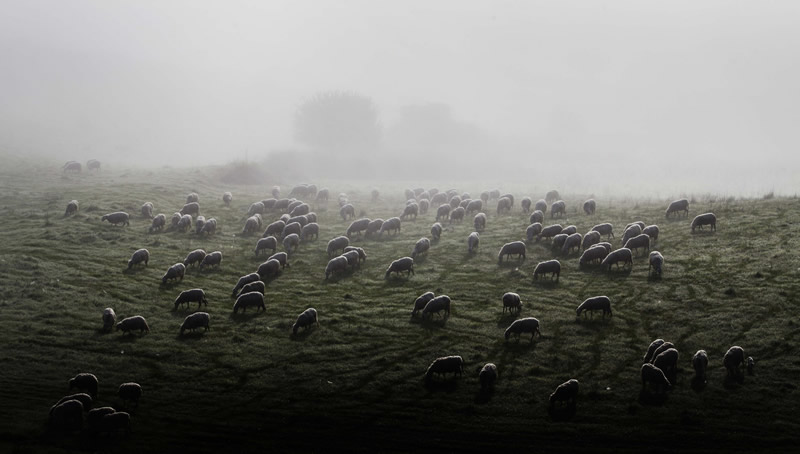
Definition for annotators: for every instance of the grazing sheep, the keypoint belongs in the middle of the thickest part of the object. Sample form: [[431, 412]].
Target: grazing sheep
[[474, 205], [410, 210], [400, 265], [174, 272], [639, 241], [347, 211], [95, 416], [541, 206], [484, 197], [269, 268], [340, 242], [445, 365], [436, 231], [255, 286], [198, 224], [595, 303], [479, 222], [73, 166], [512, 302], [551, 196], [374, 226], [269, 205], [733, 360], [623, 255], [526, 204], [487, 376], [593, 254], [244, 280], [357, 227], [281, 204], [573, 242], [323, 195], [191, 208], [421, 301], [503, 204], [292, 205], [158, 222], [184, 223], [423, 206], [109, 318], [256, 208], [67, 415], [605, 245], [132, 392], [274, 229], [565, 392], [656, 263], [465, 203], [641, 225], [522, 326], [310, 231], [494, 194], [550, 231], [85, 400], [606, 229], [212, 259], [362, 255], [439, 198], [133, 323], [661, 349], [457, 215], [336, 264], [455, 202], [409, 194], [705, 219], [558, 242], [667, 361], [300, 210], [589, 206], [443, 212], [678, 206], [118, 217], [302, 220], [552, 267], [375, 194], [422, 246], [306, 318], [192, 197], [147, 210], [93, 164], [655, 376], [263, 244], [209, 227], [140, 256], [533, 231], [196, 256], [590, 239], [250, 225], [509, 249], [86, 382], [195, 295], [569, 230], [276, 192], [251, 299], [510, 197], [114, 422], [652, 349], [700, 364], [651, 231], [536, 216], [227, 197], [558, 209], [194, 321], [282, 258], [352, 258], [389, 225]]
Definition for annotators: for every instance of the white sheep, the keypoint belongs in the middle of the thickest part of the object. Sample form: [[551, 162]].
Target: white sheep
[[307, 318], [503, 204], [590, 239], [389, 225], [437, 305], [255, 286], [558, 208], [147, 210], [212, 259], [569, 230], [195, 295], [300, 210], [652, 349], [652, 231], [282, 258], [655, 376], [436, 231], [347, 211], [67, 415], [340, 242], [656, 263], [623, 255], [455, 201], [552, 267], [270, 268], [487, 376], [677, 206], [457, 215], [198, 224], [184, 223], [443, 212], [292, 228], [733, 360], [631, 231], [352, 258], [274, 229], [362, 255], [589, 206], [133, 323], [357, 227], [140, 256], [565, 392], [192, 197], [509, 249], [263, 244], [209, 227], [227, 197], [310, 231], [639, 241], [424, 204], [572, 242], [512, 302], [244, 280], [109, 318], [194, 321], [250, 299], [421, 301], [411, 209], [558, 242], [196, 256], [667, 361], [550, 231], [473, 241], [191, 208], [336, 264], [595, 303], [522, 326], [606, 229], [72, 208], [250, 225], [175, 272], [400, 265], [533, 231], [705, 219], [422, 246], [526, 203], [301, 219], [445, 365], [374, 226], [158, 222], [132, 392], [479, 222], [85, 381], [594, 254], [700, 364], [474, 205]]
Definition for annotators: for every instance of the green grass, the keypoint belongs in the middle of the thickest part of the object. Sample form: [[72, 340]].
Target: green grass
[[356, 381]]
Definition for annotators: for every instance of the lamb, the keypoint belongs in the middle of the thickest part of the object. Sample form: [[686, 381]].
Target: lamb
[[362, 255], [512, 248], [595, 303], [553, 267], [246, 300], [140, 256], [565, 392], [335, 265], [357, 227], [422, 246], [212, 259], [390, 225], [292, 228], [590, 239], [174, 272], [733, 360], [479, 222], [552, 195], [85, 382], [421, 301], [606, 229], [323, 195], [474, 205], [436, 231], [445, 365], [340, 242], [655, 376], [276, 228], [473, 241], [550, 231], [651, 231], [192, 197], [209, 227], [227, 197], [589, 206], [656, 263], [623, 255], [400, 265], [109, 318], [533, 231], [133, 323], [244, 280], [593, 254], [147, 210], [652, 349], [198, 224], [457, 215], [522, 326], [118, 217], [503, 204], [269, 268], [411, 209], [558, 209], [526, 204], [195, 295], [255, 286], [573, 242], [310, 231], [184, 223], [705, 219], [751, 363], [194, 321], [306, 318], [72, 208], [191, 208], [487, 376], [455, 202], [424, 204], [677, 206], [263, 244], [196, 256], [700, 364], [374, 226], [132, 392], [512, 302], [667, 361], [67, 415], [639, 241], [347, 211], [300, 210]]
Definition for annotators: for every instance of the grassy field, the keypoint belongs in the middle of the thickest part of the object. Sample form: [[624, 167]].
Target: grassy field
[[356, 381]]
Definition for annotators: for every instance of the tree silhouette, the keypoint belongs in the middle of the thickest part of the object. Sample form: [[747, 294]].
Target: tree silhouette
[[338, 120]]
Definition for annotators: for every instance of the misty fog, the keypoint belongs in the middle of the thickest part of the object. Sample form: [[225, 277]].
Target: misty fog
[[616, 96]]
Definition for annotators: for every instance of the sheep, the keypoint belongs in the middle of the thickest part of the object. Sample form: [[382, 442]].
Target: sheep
[[522, 326], [487, 376], [705, 219], [623, 255], [300, 210], [67, 415], [227, 197], [457, 215], [263, 244], [439, 198], [473, 241], [72, 166], [212, 259], [484, 197], [606, 229], [409, 194], [474, 205], [118, 217], [310, 231], [655, 376], [281, 204], [677, 206], [443, 212], [536, 216], [192, 197], [209, 227], [323, 195], [269, 205], [113, 422], [510, 197], [569, 230], [299, 191], [512, 302], [93, 164], [595, 303], [573, 242], [558, 208], [198, 224], [464, 203], [292, 205], [661, 349], [132, 392], [421, 301], [526, 204], [194, 321], [255, 286], [246, 300], [85, 400], [589, 206], [389, 225], [436, 231], [352, 258], [347, 211], [357, 227], [95, 416], [593, 254], [292, 228], [158, 222], [302, 220], [421, 247], [256, 208], [605, 245], [410, 210], [399, 265], [700, 364], [196, 256], [652, 349], [147, 210], [244, 280], [639, 241], [541, 207], [276, 228], [552, 195], [651, 231], [552, 267], [109, 318], [423, 206], [191, 208], [503, 204], [250, 225], [640, 224], [559, 241], [374, 226], [733, 360], [509, 249], [667, 361], [184, 223], [433, 191], [340, 242], [751, 363], [140, 256], [565, 392], [336, 264], [455, 202], [306, 318], [494, 194], [269, 268], [550, 231], [479, 222], [590, 239], [533, 231], [445, 365], [174, 272], [195, 295], [133, 323], [656, 263], [85, 381]]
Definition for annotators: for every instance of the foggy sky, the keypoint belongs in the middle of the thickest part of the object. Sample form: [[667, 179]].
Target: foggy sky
[[207, 82]]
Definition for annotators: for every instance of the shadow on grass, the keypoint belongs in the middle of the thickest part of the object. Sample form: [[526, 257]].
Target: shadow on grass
[[302, 334], [561, 411], [136, 269], [505, 320], [545, 283], [653, 399], [698, 384], [519, 345], [191, 336], [733, 381], [441, 384], [484, 395], [244, 316]]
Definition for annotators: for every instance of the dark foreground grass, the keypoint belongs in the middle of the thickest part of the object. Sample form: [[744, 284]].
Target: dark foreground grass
[[356, 381]]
